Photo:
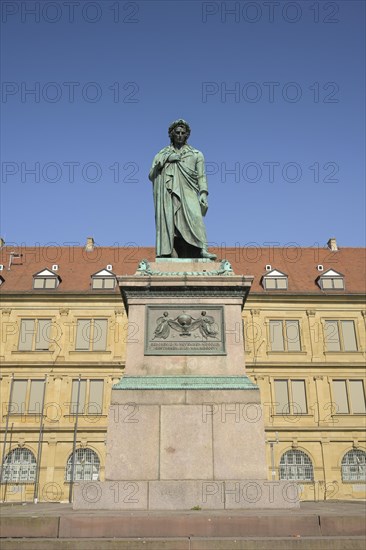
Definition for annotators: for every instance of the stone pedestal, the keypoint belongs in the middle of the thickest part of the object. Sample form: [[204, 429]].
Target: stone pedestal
[[185, 424]]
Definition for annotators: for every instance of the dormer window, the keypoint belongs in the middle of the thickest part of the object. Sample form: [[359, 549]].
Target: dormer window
[[275, 280], [103, 280], [45, 280], [331, 280]]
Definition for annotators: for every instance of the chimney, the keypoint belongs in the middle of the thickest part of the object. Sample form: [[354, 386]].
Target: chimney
[[332, 244], [2, 242], [89, 247]]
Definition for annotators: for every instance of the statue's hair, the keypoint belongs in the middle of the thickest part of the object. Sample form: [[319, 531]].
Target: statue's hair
[[179, 122]]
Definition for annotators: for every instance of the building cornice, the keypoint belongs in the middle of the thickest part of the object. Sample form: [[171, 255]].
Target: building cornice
[[306, 298]]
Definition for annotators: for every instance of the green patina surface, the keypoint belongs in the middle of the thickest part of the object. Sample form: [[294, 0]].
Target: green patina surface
[[185, 383]]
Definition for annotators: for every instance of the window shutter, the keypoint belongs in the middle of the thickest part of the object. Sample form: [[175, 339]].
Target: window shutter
[[83, 335], [293, 335], [109, 283], [100, 335], [357, 396], [74, 396], [43, 334], [26, 334], [349, 337], [282, 283], [340, 396], [50, 283], [95, 405], [36, 396], [282, 400], [276, 336], [299, 397], [18, 397], [270, 283], [97, 283], [338, 283], [332, 336]]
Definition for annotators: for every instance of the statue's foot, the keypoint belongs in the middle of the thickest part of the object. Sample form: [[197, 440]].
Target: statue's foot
[[207, 255]]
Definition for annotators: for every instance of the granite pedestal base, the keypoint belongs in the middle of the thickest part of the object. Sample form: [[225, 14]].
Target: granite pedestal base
[[242, 494], [172, 447]]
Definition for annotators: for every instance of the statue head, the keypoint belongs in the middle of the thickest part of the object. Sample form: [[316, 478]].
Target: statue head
[[179, 131]]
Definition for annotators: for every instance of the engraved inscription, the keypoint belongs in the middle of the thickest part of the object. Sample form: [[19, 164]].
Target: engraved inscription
[[195, 330]]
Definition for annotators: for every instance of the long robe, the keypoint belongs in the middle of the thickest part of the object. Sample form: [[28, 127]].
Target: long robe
[[176, 188]]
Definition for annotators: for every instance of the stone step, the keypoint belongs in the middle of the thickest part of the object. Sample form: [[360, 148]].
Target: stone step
[[79, 525], [192, 543]]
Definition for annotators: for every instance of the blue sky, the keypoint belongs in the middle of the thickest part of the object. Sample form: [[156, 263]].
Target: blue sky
[[285, 150]]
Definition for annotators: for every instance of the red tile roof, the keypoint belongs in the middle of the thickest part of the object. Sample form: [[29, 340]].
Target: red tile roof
[[76, 266]]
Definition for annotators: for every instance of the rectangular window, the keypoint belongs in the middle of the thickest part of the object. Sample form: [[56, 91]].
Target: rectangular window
[[90, 398], [27, 396], [349, 397], [91, 335], [328, 283], [340, 335], [103, 282], [290, 397], [284, 335], [275, 283], [35, 334], [44, 282]]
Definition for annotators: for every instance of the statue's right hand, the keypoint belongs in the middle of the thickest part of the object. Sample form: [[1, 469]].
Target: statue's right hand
[[173, 157]]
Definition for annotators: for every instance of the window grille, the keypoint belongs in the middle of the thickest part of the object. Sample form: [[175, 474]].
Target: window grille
[[19, 466], [86, 466], [296, 465], [354, 466]]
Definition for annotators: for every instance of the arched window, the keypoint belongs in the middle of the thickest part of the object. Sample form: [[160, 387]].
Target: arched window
[[19, 466], [354, 466], [86, 466], [297, 466]]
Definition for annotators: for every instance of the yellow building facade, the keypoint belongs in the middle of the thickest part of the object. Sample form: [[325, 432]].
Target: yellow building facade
[[63, 339]]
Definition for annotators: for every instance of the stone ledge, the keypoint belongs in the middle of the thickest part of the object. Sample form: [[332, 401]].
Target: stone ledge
[[191, 543], [188, 397], [186, 382]]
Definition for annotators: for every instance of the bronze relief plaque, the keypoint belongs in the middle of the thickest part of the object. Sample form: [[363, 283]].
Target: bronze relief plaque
[[179, 330]]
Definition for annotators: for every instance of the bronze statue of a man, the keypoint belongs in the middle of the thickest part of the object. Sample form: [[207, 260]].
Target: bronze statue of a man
[[180, 197]]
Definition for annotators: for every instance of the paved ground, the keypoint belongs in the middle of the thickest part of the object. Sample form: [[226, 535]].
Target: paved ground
[[330, 507]]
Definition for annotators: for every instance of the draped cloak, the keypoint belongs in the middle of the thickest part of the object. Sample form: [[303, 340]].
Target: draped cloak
[[176, 188]]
